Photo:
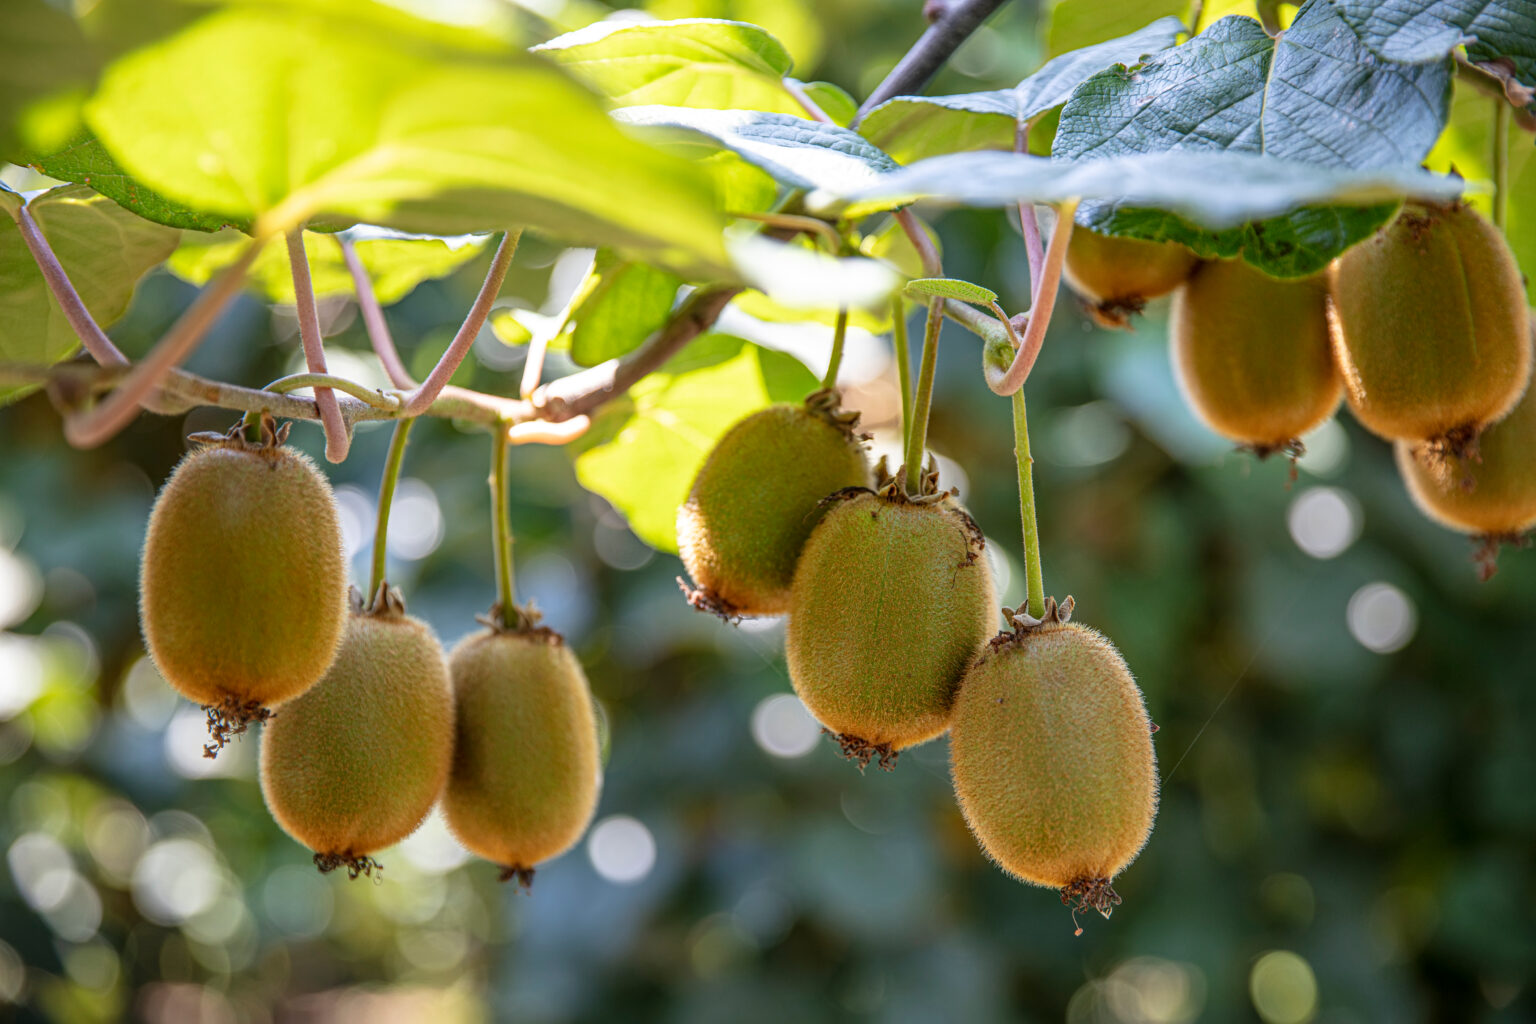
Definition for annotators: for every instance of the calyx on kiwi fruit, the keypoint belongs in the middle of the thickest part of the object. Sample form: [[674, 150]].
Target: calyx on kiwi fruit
[[1051, 754], [1116, 275], [1491, 496], [1430, 328], [526, 767], [755, 501], [355, 763], [1253, 356], [892, 599], [242, 584]]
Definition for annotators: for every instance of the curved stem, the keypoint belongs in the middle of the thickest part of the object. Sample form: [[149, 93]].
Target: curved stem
[[337, 440], [835, 361], [903, 365], [373, 318], [418, 400], [386, 499], [1500, 161], [1033, 575], [80, 320], [917, 434], [361, 392], [113, 413], [1044, 305], [1029, 224], [501, 531]]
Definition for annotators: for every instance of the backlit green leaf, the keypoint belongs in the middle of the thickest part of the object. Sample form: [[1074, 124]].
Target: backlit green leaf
[[620, 305]]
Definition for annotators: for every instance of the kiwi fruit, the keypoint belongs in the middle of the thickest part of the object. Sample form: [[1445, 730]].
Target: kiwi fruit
[[1116, 275], [1051, 754], [243, 580], [355, 763], [1253, 356], [526, 771], [1430, 327], [891, 601], [754, 503]]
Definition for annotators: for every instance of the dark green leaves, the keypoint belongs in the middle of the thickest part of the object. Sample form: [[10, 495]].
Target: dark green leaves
[[1416, 31]]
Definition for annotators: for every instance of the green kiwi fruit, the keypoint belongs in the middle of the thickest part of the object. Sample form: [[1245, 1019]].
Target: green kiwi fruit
[[1252, 354], [1116, 275], [526, 770], [355, 763], [1430, 327], [891, 601], [755, 501], [1051, 753], [242, 585]]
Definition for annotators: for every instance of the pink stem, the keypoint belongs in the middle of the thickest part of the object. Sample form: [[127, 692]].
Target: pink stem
[[418, 400], [337, 441], [91, 336], [373, 318], [1028, 223], [1044, 305], [920, 241], [798, 94]]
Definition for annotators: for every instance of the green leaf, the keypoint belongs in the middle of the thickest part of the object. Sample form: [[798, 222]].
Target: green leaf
[[1076, 24], [103, 248], [833, 100], [912, 127], [891, 244], [46, 69], [283, 114], [620, 304], [799, 276], [692, 62], [798, 153], [395, 265], [1416, 31], [949, 288], [86, 162], [644, 450], [760, 307]]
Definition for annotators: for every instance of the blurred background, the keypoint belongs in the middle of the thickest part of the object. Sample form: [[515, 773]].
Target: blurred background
[[1348, 821]]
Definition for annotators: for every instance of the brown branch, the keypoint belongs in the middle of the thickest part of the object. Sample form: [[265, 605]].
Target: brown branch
[[931, 50]]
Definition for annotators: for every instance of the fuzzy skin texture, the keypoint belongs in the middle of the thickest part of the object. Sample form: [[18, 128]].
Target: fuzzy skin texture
[[1124, 272], [243, 582], [891, 603], [526, 766], [1502, 497], [1252, 353], [355, 763], [1430, 326], [755, 501], [1051, 753]]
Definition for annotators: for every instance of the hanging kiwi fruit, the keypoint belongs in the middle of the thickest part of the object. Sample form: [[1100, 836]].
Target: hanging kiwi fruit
[[242, 584], [756, 500], [1116, 275], [1252, 354]]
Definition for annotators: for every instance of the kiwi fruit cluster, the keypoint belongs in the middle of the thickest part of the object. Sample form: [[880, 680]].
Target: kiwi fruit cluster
[[1115, 276]]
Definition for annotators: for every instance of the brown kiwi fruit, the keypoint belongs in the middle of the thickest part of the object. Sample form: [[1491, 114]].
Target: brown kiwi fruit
[[1430, 327], [755, 501], [891, 602], [1253, 356], [242, 585], [1116, 275], [355, 763], [1051, 753], [526, 768]]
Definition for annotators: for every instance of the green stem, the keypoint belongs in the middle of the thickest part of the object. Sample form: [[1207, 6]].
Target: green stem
[[917, 434], [1500, 160], [501, 532], [903, 364], [386, 499], [1036, 579], [835, 362]]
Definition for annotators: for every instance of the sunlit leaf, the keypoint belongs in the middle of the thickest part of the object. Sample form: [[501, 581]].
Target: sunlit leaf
[[86, 162], [46, 68], [799, 277], [620, 305], [833, 100], [948, 288]]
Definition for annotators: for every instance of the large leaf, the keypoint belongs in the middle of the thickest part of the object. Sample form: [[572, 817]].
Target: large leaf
[[1428, 30], [103, 248], [912, 127], [46, 68], [645, 449], [620, 305], [798, 153], [692, 62], [282, 114], [395, 265], [86, 162], [1076, 24]]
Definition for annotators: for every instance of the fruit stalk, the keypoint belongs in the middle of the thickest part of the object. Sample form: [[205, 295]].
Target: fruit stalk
[[386, 499], [1034, 577], [1500, 160], [501, 532], [835, 361], [917, 429], [337, 440], [903, 364], [1045, 286]]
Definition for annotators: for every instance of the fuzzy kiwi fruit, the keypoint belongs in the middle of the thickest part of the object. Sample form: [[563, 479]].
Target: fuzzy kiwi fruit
[[242, 585], [755, 501], [355, 763], [526, 770], [1252, 354], [891, 601], [1116, 275], [1051, 754], [1430, 327]]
